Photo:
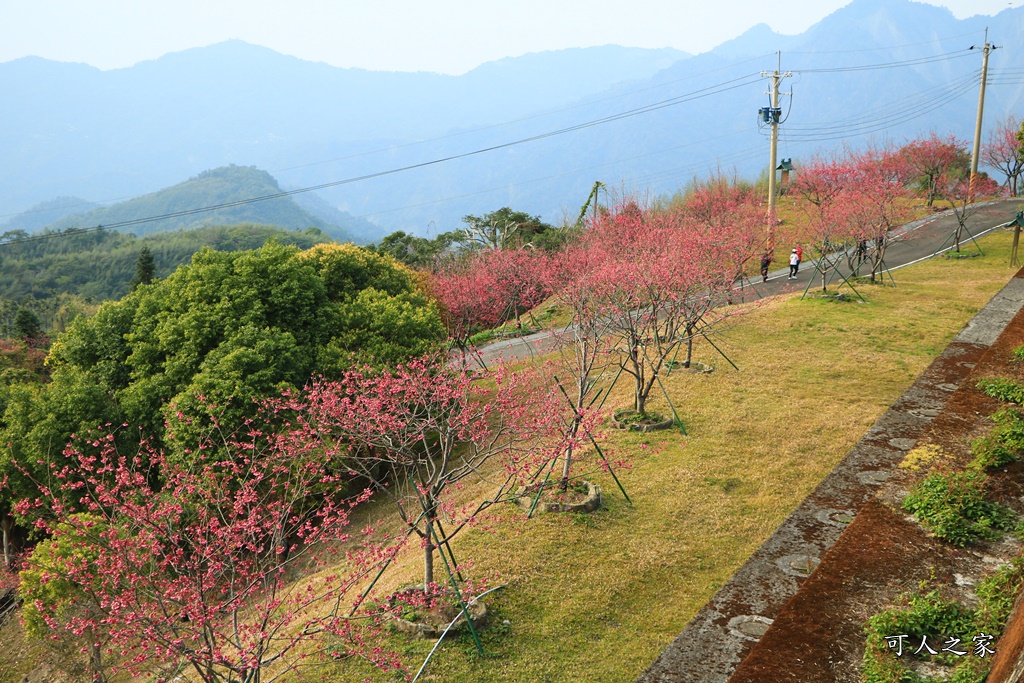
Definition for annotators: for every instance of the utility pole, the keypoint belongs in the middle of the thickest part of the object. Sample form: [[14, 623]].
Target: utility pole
[[981, 105], [772, 115]]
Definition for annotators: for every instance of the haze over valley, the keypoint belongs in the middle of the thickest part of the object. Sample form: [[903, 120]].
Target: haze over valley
[[532, 132]]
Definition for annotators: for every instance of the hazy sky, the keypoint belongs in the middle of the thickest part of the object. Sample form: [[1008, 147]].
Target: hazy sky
[[448, 36]]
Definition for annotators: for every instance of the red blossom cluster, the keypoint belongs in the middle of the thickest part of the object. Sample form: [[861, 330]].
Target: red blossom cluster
[[417, 431], [490, 287], [645, 282], [200, 567]]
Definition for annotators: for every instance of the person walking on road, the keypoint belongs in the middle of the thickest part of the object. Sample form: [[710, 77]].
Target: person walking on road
[[794, 264], [799, 258], [766, 260]]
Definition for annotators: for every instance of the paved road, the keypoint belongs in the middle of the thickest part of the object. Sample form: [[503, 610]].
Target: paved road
[[914, 242]]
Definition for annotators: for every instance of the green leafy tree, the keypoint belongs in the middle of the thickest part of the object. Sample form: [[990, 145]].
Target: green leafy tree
[[418, 252], [145, 268], [198, 347], [27, 325], [502, 229]]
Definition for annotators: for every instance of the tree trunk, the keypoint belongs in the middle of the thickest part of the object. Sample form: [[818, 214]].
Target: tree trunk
[[563, 483], [876, 266], [640, 403], [428, 546], [7, 524], [639, 399], [95, 658]]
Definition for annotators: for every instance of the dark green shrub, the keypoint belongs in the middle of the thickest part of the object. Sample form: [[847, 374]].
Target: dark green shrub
[[1003, 389], [921, 615], [1004, 444], [952, 505]]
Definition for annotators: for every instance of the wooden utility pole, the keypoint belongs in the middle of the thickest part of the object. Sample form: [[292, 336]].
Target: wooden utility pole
[[981, 105], [772, 115]]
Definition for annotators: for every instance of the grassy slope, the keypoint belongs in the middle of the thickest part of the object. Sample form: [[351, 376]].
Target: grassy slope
[[597, 598]]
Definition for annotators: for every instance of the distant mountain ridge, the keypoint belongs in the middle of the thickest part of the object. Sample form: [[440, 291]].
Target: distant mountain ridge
[[74, 130], [101, 134], [215, 187], [45, 213]]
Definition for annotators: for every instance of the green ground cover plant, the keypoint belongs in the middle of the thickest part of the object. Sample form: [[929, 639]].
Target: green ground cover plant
[[1003, 389], [921, 615], [953, 506], [929, 614], [1004, 444]]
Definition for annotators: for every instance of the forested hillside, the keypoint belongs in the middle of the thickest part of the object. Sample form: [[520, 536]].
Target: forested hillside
[[99, 265], [234, 186], [44, 275]]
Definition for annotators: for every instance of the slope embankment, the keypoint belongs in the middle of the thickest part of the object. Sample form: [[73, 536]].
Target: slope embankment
[[795, 610]]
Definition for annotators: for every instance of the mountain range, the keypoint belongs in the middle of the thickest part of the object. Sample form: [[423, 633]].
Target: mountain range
[[531, 132]]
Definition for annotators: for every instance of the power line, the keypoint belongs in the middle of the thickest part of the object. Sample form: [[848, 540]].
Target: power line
[[888, 65], [809, 134], [664, 150], [909, 111], [742, 81], [588, 103]]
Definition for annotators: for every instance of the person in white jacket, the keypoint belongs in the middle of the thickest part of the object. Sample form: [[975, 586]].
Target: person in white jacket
[[794, 263]]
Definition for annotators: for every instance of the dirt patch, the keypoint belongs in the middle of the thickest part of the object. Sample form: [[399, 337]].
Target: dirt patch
[[581, 497]]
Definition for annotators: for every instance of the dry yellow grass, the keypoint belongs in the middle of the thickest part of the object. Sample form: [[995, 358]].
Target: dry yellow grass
[[597, 598]]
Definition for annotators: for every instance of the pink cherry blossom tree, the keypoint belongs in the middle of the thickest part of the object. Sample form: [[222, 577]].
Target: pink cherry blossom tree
[[583, 347], [879, 184], [421, 430], [200, 568], [933, 157], [838, 215], [662, 278], [724, 206], [487, 288], [1004, 151], [963, 195]]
